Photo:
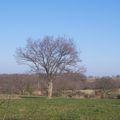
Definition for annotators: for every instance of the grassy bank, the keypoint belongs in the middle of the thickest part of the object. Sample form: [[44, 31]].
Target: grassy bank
[[59, 109]]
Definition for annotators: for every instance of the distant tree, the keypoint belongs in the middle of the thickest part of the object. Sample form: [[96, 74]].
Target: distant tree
[[50, 56], [70, 81], [105, 84]]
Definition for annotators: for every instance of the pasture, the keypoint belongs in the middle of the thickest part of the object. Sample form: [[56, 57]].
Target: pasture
[[42, 108]]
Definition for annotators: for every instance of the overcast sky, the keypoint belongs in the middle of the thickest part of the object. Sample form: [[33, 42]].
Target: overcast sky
[[93, 24]]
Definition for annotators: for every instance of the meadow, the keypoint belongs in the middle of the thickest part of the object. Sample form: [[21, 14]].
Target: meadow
[[42, 108]]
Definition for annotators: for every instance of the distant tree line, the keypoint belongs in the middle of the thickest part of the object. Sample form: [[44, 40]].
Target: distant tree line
[[28, 84]]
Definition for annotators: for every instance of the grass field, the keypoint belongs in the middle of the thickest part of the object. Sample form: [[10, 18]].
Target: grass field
[[42, 108]]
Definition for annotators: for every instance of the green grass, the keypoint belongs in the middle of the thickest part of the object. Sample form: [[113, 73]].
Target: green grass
[[41, 108]]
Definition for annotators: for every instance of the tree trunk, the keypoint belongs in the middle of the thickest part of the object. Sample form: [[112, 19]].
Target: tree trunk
[[103, 94], [50, 88]]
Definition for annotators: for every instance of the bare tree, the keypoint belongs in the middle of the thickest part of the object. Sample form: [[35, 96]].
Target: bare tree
[[50, 56], [105, 84]]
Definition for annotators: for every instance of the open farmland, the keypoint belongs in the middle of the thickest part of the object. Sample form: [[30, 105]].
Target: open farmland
[[40, 108]]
